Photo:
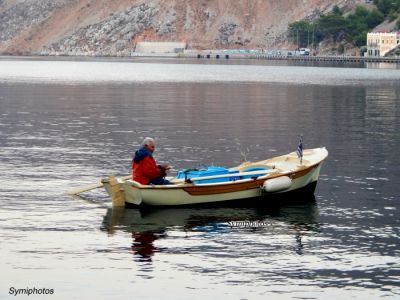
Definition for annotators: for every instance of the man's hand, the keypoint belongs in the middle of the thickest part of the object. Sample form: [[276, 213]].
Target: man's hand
[[166, 167]]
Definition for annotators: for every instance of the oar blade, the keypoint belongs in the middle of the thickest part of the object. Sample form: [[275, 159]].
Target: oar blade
[[87, 188], [79, 190]]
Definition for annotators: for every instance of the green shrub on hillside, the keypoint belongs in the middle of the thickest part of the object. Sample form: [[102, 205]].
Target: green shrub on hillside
[[303, 33], [388, 7], [352, 28], [360, 22]]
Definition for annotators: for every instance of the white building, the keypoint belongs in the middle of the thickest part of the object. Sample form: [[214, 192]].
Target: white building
[[380, 43], [160, 47]]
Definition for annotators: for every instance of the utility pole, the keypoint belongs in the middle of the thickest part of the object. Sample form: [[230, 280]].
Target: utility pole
[[313, 43], [313, 34]]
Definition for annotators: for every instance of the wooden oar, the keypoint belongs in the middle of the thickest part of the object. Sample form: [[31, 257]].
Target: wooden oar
[[87, 188]]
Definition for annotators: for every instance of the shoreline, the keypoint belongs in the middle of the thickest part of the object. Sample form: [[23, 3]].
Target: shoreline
[[216, 55]]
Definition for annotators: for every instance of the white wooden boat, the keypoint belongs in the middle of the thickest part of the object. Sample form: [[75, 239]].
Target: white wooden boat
[[250, 180]]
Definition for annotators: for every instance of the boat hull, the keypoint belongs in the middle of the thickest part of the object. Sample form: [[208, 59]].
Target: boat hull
[[299, 196], [213, 193]]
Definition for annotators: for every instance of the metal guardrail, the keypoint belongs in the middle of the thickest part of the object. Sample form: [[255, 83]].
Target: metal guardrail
[[360, 59], [343, 59]]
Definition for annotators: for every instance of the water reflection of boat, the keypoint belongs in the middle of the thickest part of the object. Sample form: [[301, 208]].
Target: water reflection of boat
[[148, 225], [154, 219]]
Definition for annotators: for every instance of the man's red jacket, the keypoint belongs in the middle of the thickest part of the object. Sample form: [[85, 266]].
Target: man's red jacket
[[144, 167]]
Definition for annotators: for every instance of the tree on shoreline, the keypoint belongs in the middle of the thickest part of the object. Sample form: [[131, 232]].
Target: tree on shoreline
[[350, 29]]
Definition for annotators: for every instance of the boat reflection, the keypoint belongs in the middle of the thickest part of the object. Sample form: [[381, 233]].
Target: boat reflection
[[148, 225]]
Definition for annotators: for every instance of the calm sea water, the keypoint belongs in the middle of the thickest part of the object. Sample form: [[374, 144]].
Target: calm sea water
[[65, 124]]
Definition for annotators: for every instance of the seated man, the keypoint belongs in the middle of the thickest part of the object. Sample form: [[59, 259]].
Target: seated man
[[144, 167]]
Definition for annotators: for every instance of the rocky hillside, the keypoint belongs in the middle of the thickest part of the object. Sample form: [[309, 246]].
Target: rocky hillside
[[113, 27]]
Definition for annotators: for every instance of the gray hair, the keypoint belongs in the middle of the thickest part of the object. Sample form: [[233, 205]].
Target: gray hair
[[147, 141]]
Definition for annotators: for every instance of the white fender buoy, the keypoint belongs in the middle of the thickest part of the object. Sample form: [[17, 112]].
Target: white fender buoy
[[277, 184]]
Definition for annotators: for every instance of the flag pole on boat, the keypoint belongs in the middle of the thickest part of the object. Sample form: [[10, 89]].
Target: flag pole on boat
[[299, 150]]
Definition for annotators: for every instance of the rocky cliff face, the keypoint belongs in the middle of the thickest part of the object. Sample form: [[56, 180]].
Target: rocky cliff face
[[111, 27]]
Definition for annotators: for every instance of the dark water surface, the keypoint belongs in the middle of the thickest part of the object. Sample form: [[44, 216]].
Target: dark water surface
[[60, 132]]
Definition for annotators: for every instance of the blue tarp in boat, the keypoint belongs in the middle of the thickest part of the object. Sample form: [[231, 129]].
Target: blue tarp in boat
[[214, 171]]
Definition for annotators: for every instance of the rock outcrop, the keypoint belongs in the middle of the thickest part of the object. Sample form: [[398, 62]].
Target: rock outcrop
[[24, 15], [113, 35]]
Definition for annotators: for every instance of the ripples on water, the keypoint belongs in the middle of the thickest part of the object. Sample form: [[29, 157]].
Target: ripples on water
[[342, 245]]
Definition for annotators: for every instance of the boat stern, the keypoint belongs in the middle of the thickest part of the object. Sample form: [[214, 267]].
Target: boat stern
[[114, 188]]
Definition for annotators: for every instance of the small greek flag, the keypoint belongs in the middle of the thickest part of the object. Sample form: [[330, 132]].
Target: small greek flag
[[300, 149]]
